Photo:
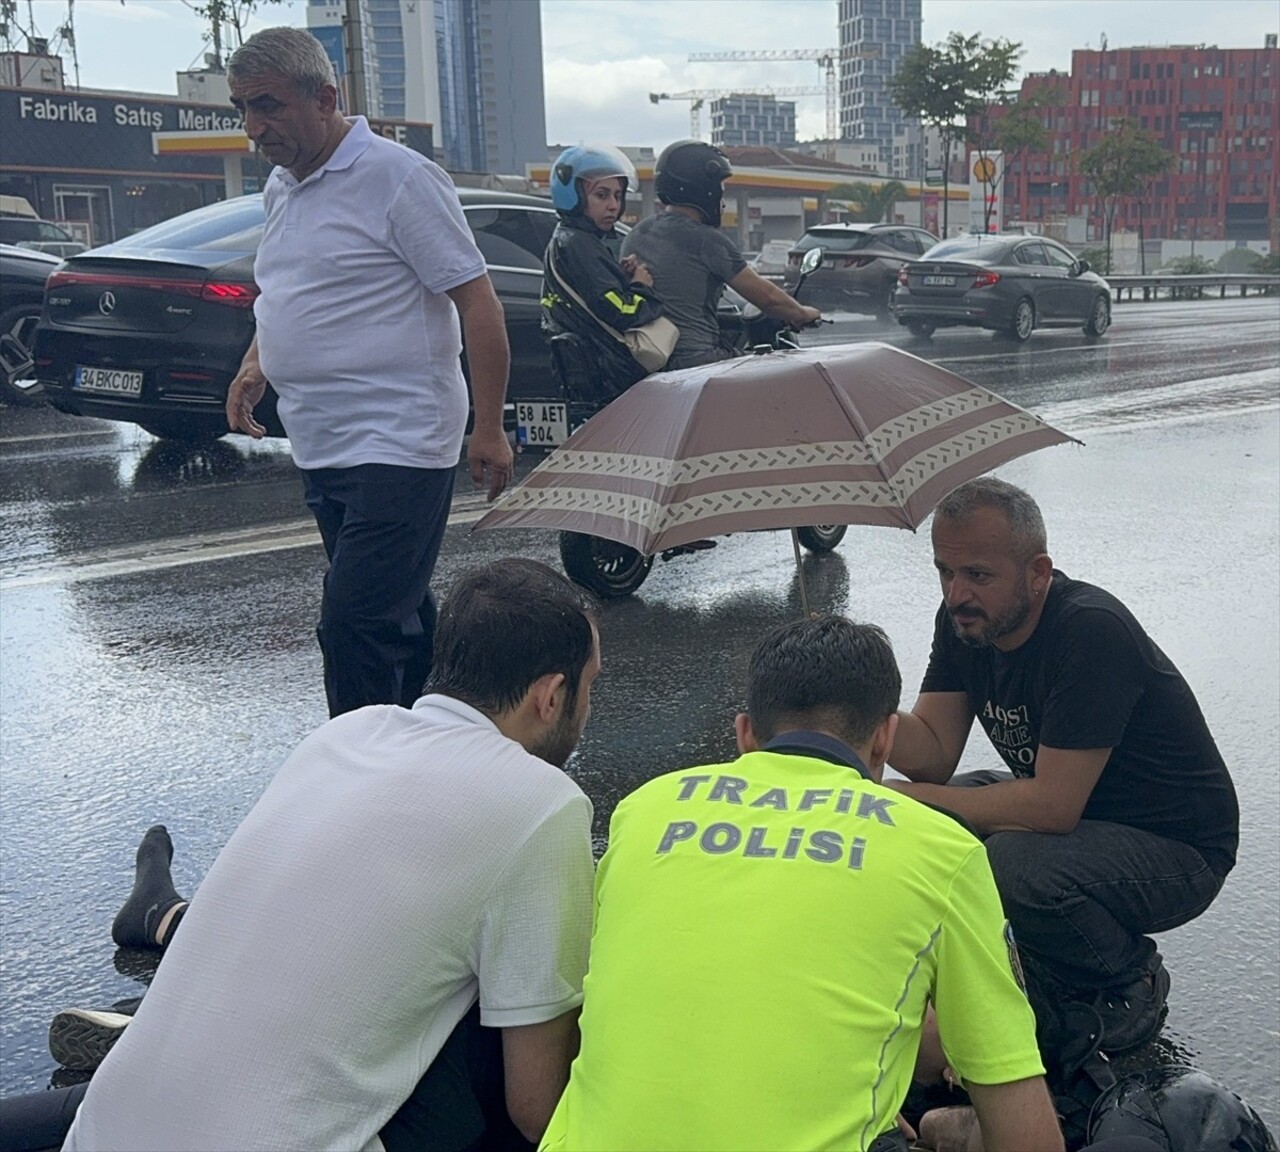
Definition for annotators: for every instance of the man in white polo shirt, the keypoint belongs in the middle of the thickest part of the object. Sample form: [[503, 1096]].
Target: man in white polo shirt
[[365, 267], [401, 865]]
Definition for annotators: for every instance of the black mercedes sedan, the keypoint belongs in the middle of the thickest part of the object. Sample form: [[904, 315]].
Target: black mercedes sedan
[[1011, 284], [152, 329]]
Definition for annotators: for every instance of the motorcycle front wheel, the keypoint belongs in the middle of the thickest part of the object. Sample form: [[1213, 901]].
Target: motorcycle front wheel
[[608, 569]]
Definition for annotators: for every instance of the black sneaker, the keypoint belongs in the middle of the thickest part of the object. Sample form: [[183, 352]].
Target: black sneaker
[[80, 1038], [1132, 1015]]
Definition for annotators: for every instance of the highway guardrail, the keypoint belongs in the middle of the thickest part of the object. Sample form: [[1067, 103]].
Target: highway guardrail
[[1151, 285]]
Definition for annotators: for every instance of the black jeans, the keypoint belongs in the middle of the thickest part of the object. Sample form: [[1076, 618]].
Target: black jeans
[[382, 526], [459, 1104], [1081, 904]]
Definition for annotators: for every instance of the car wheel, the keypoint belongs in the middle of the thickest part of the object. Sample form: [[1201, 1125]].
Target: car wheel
[[921, 329], [1099, 317], [821, 537], [182, 431], [1023, 322], [20, 323], [608, 569], [884, 309]]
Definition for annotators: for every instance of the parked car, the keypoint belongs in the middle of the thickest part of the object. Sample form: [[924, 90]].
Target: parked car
[[38, 235], [152, 329], [859, 272], [772, 261], [1009, 283], [23, 273]]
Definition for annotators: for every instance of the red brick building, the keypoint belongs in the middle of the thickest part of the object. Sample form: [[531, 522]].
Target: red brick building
[[1217, 110]]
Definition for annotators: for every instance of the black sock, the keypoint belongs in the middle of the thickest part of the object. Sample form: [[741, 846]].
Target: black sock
[[152, 896]]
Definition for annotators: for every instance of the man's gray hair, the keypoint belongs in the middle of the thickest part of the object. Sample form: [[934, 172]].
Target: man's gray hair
[[1017, 506], [291, 53]]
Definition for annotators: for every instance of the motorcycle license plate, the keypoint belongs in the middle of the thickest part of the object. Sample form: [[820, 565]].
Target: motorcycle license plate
[[939, 281], [540, 425], [109, 380]]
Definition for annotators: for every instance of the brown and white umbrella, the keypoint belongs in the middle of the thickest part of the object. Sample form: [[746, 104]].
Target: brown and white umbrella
[[853, 434]]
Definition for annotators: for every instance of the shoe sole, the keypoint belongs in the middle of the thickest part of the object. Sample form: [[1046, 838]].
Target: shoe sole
[[80, 1039]]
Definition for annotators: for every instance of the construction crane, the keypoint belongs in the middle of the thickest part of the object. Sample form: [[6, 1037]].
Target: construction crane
[[697, 96], [825, 57]]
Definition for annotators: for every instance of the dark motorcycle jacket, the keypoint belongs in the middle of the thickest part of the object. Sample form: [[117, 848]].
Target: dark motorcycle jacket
[[587, 259]]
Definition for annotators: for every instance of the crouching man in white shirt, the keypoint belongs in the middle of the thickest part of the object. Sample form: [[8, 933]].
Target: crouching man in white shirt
[[401, 867]]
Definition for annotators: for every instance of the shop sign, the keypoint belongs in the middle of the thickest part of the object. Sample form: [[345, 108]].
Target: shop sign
[[79, 130]]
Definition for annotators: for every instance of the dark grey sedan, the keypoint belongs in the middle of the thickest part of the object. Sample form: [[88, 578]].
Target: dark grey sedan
[[1010, 284]]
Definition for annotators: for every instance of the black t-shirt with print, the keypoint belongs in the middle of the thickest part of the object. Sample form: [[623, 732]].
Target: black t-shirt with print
[[1090, 677]]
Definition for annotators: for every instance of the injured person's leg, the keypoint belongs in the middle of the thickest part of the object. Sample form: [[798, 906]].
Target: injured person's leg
[[153, 910]]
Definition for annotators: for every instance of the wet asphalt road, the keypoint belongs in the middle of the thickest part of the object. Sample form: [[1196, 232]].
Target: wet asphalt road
[[157, 659]]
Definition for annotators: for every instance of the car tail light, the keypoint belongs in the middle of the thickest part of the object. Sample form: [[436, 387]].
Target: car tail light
[[858, 261], [902, 276], [149, 283], [793, 257], [986, 279], [196, 377], [232, 295]]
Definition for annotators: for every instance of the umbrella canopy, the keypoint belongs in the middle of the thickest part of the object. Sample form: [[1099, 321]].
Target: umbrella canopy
[[855, 434]]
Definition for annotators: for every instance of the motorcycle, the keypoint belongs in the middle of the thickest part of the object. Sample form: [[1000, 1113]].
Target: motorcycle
[[612, 570]]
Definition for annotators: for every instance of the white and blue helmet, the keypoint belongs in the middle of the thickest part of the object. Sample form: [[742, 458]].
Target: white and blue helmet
[[586, 162]]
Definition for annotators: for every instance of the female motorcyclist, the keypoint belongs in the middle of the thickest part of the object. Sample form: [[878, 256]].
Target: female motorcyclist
[[589, 186]]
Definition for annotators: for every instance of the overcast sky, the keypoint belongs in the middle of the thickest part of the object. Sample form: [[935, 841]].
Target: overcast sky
[[603, 57]]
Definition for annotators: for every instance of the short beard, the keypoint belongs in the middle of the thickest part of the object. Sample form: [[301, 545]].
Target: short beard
[[997, 628], [557, 745]]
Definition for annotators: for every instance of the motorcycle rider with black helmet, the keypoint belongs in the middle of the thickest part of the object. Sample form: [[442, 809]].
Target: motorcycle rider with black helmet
[[691, 260], [589, 185]]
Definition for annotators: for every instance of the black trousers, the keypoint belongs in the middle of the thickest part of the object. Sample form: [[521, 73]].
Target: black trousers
[[459, 1105], [382, 526], [1081, 905]]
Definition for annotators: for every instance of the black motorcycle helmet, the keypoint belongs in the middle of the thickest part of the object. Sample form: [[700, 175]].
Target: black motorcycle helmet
[[1181, 1110], [691, 172]]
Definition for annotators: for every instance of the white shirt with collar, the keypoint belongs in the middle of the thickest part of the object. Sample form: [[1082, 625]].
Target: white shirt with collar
[[400, 865], [355, 331]]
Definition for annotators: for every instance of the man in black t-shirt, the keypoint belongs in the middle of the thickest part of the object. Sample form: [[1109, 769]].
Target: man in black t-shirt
[[1117, 816]]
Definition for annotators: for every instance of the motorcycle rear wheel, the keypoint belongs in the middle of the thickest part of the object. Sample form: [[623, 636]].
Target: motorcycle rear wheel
[[821, 537]]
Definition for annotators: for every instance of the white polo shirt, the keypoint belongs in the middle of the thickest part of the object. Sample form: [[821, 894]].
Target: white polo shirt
[[355, 331], [400, 864]]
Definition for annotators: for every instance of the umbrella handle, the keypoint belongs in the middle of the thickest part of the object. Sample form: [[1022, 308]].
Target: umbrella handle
[[804, 593]]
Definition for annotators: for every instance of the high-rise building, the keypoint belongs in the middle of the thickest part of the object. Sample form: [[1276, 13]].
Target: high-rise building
[[875, 35], [1217, 111], [472, 68], [741, 119]]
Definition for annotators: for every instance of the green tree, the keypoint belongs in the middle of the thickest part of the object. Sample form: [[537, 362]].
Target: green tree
[[1021, 131], [1239, 260], [1121, 166], [943, 85], [868, 203], [1269, 265], [1099, 260], [1189, 266]]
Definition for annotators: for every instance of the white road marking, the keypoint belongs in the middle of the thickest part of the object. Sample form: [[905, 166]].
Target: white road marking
[[175, 552], [58, 435]]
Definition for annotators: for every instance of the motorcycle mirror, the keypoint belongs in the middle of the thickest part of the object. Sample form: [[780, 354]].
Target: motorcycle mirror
[[811, 260]]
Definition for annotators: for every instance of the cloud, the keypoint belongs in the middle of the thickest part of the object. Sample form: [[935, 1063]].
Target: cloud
[[604, 57]]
